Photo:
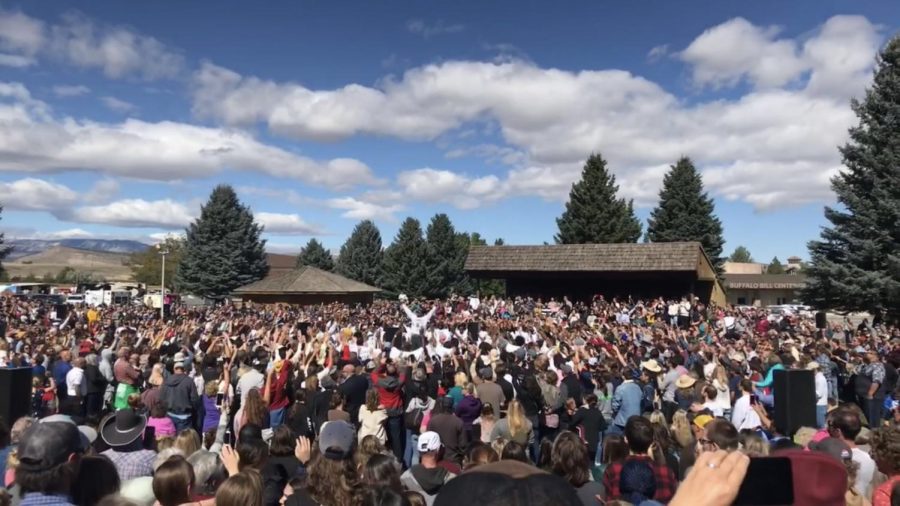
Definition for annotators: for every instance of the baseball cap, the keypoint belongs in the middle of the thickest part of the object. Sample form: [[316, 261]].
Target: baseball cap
[[336, 440], [429, 442], [834, 447], [702, 420], [47, 445]]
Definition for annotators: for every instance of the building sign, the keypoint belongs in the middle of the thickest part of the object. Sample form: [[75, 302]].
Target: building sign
[[766, 286]]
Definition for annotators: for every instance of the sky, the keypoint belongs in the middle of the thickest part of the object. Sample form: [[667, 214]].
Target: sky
[[118, 118]]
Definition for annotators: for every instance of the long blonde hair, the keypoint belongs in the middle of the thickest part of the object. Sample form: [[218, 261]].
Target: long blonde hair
[[461, 380], [681, 429], [658, 417], [517, 420]]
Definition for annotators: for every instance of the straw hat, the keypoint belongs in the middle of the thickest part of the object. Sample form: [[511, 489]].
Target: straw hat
[[685, 381]]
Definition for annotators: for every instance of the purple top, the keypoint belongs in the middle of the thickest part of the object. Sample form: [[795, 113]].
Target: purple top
[[211, 419]]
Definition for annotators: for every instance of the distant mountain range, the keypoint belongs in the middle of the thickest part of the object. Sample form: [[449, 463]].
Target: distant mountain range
[[26, 247]]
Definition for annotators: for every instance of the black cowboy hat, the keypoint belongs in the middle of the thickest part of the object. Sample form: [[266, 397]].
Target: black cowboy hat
[[122, 427]]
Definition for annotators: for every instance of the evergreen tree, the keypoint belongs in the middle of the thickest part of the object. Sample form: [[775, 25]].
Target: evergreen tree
[[775, 267], [316, 255], [741, 255], [855, 266], [361, 256], [593, 213], [223, 249], [445, 258], [404, 260], [686, 213]]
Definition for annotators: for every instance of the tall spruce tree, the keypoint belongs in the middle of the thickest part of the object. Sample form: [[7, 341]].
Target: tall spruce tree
[[686, 213], [445, 258], [855, 266], [594, 214], [223, 249], [741, 255], [361, 256], [404, 260], [775, 267], [315, 255]]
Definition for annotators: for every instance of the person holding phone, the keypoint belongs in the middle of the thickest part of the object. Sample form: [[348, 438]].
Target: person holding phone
[[743, 415]]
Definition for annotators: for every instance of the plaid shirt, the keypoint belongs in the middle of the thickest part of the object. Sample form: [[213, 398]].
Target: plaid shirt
[[38, 499], [665, 479], [132, 464]]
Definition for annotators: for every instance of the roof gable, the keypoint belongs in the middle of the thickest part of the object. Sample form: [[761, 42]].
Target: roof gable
[[306, 279]]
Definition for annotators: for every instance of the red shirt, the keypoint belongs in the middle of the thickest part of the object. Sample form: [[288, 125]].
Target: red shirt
[[665, 479], [390, 399], [278, 392]]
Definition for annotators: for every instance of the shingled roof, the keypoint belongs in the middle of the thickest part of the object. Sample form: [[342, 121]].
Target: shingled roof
[[673, 256], [306, 279]]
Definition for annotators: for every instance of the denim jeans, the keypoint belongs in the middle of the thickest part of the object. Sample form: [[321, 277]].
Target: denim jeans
[[411, 455], [276, 418], [396, 433], [820, 416], [536, 444], [181, 422]]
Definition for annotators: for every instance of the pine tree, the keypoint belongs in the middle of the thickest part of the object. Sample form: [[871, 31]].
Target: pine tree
[[686, 213], [223, 249], [855, 266], [593, 213], [361, 256], [316, 255], [486, 287], [741, 255], [445, 259], [404, 260], [775, 267]]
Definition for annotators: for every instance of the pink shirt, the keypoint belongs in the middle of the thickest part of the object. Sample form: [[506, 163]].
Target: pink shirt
[[163, 427]]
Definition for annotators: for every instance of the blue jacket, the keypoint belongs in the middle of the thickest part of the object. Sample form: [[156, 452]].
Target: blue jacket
[[626, 402]]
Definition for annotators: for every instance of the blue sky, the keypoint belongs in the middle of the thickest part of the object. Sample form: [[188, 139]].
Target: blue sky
[[117, 119]]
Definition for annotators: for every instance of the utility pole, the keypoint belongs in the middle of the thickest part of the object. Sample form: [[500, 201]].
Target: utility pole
[[162, 297]]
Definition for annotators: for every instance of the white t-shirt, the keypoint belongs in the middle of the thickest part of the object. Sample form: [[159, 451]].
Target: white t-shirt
[[743, 416], [75, 382], [714, 407], [866, 471]]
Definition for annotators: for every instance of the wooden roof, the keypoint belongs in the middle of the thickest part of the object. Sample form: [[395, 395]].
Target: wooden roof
[[306, 279], [655, 257]]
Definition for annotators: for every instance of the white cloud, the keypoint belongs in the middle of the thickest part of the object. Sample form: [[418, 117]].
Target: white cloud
[[657, 52], [33, 141], [102, 192], [728, 52], [30, 233], [420, 27], [432, 185], [21, 33], [285, 224], [117, 105], [79, 41], [794, 117], [16, 60], [138, 213], [70, 91], [362, 209], [32, 194], [159, 237]]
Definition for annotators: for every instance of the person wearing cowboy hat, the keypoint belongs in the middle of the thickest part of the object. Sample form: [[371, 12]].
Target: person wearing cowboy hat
[[123, 431], [684, 395]]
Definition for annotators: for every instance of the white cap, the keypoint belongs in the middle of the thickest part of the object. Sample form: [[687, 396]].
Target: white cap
[[429, 442]]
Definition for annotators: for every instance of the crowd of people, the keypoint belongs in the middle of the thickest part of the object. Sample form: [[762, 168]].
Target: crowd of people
[[502, 401]]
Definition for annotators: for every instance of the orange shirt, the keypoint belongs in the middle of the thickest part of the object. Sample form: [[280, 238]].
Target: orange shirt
[[882, 494]]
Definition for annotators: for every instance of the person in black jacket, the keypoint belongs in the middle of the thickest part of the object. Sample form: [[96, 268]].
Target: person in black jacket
[[590, 423], [179, 394], [353, 389], [572, 385], [95, 387], [281, 467]]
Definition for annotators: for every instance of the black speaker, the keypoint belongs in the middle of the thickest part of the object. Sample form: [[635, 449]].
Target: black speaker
[[473, 330], [821, 320], [795, 400], [15, 393]]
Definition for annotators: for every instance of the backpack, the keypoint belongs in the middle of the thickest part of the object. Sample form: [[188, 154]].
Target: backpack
[[413, 419]]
